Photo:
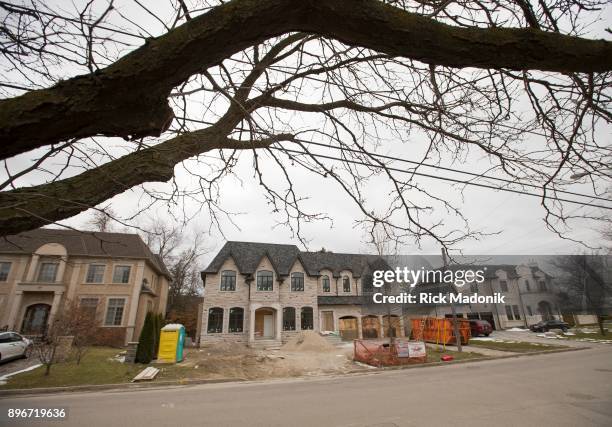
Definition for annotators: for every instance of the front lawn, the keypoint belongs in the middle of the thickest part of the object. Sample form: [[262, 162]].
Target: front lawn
[[590, 336], [97, 367], [516, 347], [434, 354]]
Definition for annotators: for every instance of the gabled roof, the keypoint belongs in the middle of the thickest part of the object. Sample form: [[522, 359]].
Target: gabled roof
[[84, 243], [248, 255]]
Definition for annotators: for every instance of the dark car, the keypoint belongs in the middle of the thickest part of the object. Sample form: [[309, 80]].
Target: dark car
[[546, 325], [480, 327]]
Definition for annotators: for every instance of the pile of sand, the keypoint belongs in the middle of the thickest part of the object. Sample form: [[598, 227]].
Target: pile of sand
[[308, 341]]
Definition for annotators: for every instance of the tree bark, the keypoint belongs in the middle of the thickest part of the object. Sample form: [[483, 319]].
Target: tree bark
[[129, 98]]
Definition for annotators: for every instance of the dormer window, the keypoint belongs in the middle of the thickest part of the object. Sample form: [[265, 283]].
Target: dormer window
[[265, 281], [228, 281], [325, 283], [297, 282], [346, 284]]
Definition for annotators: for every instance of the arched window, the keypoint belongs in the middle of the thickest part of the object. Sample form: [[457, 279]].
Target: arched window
[[346, 284], [288, 319], [297, 282], [264, 280], [215, 320], [228, 280], [306, 315], [325, 282], [236, 319]]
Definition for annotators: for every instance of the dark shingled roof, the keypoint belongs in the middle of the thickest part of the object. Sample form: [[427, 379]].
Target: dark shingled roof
[[248, 255], [83, 243]]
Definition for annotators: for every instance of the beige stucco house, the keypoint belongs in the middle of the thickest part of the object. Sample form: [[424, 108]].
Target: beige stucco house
[[114, 274], [262, 294]]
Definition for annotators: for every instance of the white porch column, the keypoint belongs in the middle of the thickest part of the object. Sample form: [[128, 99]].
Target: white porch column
[[382, 325], [251, 324], [279, 322], [359, 328], [15, 307], [402, 330], [57, 296]]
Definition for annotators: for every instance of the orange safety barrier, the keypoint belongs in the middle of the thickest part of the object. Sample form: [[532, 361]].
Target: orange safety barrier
[[382, 353], [440, 330]]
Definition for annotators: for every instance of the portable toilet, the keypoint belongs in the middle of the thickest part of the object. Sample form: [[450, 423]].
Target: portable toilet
[[171, 343]]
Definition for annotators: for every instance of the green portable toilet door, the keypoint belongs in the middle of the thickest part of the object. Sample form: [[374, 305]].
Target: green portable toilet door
[[180, 344]]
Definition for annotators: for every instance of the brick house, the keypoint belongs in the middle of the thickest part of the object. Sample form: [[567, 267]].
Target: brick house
[[262, 294], [113, 274]]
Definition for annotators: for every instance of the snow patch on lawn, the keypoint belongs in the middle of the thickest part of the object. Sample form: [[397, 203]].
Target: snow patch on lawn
[[3, 378], [517, 330]]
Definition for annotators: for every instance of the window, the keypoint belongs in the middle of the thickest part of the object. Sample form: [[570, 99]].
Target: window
[[517, 313], [346, 284], [297, 282], [95, 273], [473, 288], [542, 285], [47, 271], [264, 281], [306, 315], [5, 268], [529, 311], [503, 285], [527, 286], [326, 287], [509, 312], [288, 319], [122, 274], [215, 320], [236, 319], [228, 281], [114, 312]]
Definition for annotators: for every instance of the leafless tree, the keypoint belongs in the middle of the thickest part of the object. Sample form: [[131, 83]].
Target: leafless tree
[[102, 219], [331, 87]]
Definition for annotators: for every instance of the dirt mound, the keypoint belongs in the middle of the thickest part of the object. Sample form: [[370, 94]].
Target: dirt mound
[[308, 341], [226, 348]]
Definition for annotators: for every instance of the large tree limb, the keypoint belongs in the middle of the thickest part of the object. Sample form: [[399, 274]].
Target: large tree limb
[[129, 98], [27, 208]]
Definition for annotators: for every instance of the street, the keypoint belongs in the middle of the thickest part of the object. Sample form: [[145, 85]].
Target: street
[[561, 389]]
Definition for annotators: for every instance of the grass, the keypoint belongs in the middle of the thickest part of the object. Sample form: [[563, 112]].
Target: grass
[[595, 336], [516, 347], [434, 354], [95, 368]]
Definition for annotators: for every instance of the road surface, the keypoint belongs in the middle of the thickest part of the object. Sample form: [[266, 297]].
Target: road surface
[[562, 389]]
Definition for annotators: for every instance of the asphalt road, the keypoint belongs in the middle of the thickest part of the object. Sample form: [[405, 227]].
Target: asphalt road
[[562, 389]]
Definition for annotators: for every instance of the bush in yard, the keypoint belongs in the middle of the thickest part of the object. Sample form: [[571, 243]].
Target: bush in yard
[[146, 343]]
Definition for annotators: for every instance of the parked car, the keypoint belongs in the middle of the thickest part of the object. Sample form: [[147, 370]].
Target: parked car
[[546, 325], [14, 346], [480, 327]]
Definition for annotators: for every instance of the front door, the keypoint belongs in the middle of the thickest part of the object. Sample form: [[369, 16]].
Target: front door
[[268, 331], [328, 320], [35, 319]]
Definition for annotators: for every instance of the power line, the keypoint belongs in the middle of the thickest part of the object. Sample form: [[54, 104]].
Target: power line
[[399, 159], [457, 181]]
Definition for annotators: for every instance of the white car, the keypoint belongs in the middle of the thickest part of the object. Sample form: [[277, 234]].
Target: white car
[[13, 346]]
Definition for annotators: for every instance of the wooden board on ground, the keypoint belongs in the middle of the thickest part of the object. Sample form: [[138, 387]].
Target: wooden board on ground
[[146, 374]]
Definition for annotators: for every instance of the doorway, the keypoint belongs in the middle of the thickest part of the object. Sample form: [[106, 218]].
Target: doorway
[[264, 323], [327, 318], [35, 319]]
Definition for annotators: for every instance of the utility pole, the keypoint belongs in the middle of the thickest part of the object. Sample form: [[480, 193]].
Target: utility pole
[[452, 304]]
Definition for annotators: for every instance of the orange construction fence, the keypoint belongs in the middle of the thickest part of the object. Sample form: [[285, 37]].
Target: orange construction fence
[[440, 330], [383, 353]]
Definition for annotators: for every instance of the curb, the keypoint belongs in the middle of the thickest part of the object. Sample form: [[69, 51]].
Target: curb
[[186, 382]]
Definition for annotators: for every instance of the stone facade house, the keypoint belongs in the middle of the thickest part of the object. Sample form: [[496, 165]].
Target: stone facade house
[[529, 296], [262, 294], [115, 275]]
